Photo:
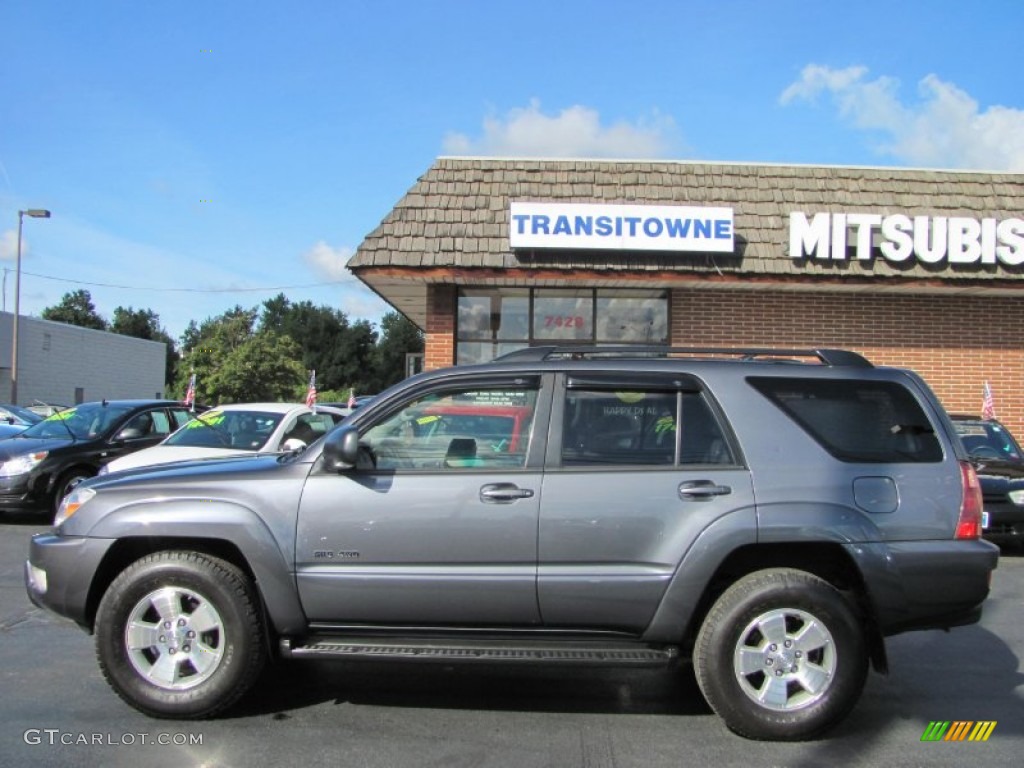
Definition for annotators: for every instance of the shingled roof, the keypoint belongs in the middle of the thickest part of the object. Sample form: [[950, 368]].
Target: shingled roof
[[452, 226]]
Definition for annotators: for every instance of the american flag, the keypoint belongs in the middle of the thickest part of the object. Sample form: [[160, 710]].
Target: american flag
[[351, 398], [988, 403], [311, 392], [190, 393]]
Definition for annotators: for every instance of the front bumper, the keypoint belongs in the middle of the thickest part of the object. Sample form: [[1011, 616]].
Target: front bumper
[[1005, 521], [20, 493], [59, 574]]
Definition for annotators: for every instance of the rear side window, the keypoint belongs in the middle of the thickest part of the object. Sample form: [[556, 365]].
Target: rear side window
[[856, 421], [640, 427]]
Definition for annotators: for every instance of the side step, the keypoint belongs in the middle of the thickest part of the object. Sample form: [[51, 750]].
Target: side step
[[479, 651]]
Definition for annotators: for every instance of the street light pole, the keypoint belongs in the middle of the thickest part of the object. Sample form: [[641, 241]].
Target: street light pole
[[35, 213]]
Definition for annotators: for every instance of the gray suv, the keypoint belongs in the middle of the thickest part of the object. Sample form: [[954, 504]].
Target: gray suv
[[770, 515]]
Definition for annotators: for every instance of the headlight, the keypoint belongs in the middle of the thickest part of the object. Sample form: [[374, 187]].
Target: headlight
[[20, 465], [1017, 497], [72, 503]]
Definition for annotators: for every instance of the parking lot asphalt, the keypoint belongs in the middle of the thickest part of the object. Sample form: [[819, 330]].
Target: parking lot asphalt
[[56, 708]]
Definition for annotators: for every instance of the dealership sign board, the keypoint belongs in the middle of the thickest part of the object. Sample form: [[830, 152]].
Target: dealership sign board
[[586, 226], [928, 239]]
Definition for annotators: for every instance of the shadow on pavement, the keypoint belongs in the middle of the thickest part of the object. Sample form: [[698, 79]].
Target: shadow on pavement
[[297, 684]]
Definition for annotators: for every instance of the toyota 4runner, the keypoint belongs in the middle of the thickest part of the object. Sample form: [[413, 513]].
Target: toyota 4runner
[[770, 515]]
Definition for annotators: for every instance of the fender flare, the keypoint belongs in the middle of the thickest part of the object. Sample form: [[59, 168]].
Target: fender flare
[[216, 520]]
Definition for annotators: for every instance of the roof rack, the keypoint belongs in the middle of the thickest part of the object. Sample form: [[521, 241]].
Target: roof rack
[[831, 357]]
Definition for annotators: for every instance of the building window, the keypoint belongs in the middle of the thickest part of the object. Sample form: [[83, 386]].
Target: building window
[[494, 321], [563, 315], [625, 317]]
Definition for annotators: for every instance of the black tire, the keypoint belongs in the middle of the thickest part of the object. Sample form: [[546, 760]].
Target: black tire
[[788, 634], [66, 483], [196, 643]]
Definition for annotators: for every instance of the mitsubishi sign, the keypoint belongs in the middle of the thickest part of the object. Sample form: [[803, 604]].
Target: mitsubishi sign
[[928, 239]]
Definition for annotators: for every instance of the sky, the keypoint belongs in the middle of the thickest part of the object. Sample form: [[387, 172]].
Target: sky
[[202, 154]]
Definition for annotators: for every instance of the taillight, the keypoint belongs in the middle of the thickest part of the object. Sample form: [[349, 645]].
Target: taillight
[[968, 526]]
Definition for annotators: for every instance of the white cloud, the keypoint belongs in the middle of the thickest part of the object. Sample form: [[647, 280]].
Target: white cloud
[[359, 303], [329, 262], [9, 245], [575, 132], [943, 129]]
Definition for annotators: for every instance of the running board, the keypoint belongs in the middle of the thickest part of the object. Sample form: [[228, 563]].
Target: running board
[[491, 652]]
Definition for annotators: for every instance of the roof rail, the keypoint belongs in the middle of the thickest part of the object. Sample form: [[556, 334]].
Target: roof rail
[[831, 357]]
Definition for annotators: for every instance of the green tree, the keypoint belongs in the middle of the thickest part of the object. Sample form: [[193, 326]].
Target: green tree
[[341, 353], [206, 348], [266, 367], [145, 324], [76, 308], [399, 336]]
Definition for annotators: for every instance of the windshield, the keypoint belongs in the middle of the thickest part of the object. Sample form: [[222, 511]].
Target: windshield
[[82, 422], [18, 415], [240, 430], [988, 440]]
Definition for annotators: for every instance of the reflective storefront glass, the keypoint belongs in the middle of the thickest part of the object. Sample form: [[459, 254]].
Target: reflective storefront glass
[[495, 321]]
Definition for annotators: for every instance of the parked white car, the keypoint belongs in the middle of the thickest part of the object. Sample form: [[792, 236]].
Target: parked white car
[[237, 429]]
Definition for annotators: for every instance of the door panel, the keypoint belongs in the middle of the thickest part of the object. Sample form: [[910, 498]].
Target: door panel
[[417, 547], [610, 543], [636, 470], [438, 526]]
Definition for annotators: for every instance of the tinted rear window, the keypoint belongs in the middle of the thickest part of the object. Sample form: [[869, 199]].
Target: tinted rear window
[[856, 421]]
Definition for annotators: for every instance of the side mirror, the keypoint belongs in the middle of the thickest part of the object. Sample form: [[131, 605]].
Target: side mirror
[[293, 444], [130, 433], [341, 449]]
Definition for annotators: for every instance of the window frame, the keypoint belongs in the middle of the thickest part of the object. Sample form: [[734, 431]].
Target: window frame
[[678, 384], [533, 451]]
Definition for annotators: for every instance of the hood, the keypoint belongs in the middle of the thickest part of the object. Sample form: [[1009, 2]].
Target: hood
[[181, 473], [19, 445], [165, 454], [1009, 470]]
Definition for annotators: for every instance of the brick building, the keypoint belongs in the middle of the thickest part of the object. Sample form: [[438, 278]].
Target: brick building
[[916, 268]]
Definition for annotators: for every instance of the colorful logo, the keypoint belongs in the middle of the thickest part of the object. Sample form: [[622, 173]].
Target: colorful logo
[[958, 730]]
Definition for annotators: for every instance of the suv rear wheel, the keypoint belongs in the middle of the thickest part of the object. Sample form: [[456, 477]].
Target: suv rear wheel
[[781, 655], [179, 634]]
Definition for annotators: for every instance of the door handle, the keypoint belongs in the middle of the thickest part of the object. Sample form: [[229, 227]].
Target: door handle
[[503, 493], [702, 490]]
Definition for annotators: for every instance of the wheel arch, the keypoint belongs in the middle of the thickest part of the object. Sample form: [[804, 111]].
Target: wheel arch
[[279, 614], [57, 475], [829, 561], [726, 552]]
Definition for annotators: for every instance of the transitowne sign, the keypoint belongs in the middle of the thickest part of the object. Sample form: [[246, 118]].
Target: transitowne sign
[[585, 226]]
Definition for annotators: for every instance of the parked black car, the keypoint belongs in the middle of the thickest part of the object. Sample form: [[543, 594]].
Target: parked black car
[[999, 462], [40, 465]]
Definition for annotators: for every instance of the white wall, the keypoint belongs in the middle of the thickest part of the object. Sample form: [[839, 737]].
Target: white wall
[[54, 359]]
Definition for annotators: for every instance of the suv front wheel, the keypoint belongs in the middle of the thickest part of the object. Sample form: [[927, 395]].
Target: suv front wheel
[[179, 634], [781, 655]]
